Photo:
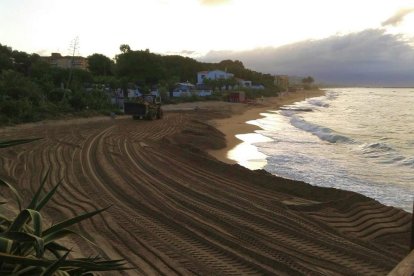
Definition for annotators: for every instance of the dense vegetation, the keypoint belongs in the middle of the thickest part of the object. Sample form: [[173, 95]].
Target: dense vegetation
[[31, 89]]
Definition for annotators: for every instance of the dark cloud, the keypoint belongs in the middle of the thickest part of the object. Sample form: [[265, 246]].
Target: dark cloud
[[397, 18], [370, 57], [213, 2]]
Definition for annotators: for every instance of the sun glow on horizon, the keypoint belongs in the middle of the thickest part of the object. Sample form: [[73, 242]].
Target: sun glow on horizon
[[166, 26]]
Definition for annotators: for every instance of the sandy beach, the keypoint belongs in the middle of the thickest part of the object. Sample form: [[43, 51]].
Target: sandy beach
[[178, 210], [236, 124]]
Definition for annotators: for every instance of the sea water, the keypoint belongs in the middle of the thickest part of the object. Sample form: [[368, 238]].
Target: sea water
[[356, 139]]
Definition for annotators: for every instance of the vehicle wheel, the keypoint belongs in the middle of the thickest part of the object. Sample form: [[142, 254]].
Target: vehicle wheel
[[160, 114], [150, 116]]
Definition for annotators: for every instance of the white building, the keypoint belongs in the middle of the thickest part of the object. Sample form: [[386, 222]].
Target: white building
[[185, 89], [213, 75], [244, 83], [133, 93], [257, 86]]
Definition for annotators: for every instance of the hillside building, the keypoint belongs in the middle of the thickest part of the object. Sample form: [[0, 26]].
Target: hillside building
[[66, 62], [282, 81], [213, 75]]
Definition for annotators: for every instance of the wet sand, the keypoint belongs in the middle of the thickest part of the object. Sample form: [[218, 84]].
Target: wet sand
[[177, 210], [236, 124]]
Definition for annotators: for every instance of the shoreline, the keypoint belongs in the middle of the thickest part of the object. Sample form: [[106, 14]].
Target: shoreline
[[181, 211], [237, 123]]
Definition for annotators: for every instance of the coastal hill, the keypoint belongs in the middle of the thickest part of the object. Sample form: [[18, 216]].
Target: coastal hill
[[34, 88]]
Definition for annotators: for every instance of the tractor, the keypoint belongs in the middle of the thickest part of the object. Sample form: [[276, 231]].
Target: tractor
[[144, 107]]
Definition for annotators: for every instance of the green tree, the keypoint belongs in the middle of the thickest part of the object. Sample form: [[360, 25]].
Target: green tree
[[307, 82], [6, 59], [15, 86], [230, 82], [214, 84], [125, 48], [142, 66], [100, 65]]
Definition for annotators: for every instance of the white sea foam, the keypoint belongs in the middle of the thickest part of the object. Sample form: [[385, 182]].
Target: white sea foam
[[355, 139], [323, 133], [318, 102]]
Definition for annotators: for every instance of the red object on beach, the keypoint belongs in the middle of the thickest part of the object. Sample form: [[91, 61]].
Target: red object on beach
[[237, 97]]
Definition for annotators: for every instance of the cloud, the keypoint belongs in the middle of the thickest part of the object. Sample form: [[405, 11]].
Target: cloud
[[397, 18], [185, 53], [370, 57], [43, 52], [213, 2]]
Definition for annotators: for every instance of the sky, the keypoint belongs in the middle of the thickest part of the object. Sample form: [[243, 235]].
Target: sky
[[188, 26], [210, 30], [367, 58]]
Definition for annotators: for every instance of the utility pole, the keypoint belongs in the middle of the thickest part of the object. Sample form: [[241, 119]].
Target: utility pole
[[73, 50]]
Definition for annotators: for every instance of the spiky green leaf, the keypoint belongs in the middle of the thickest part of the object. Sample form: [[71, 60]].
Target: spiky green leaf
[[2, 200], [55, 248], [5, 245], [10, 143], [34, 202], [20, 238], [64, 224], [66, 265], [56, 235], [23, 217], [29, 270], [24, 261], [50, 270], [48, 196], [11, 188], [4, 219]]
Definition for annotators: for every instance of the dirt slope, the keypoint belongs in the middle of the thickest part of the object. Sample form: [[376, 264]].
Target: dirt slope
[[177, 211]]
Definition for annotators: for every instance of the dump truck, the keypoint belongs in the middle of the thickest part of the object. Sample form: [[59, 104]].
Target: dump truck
[[144, 107]]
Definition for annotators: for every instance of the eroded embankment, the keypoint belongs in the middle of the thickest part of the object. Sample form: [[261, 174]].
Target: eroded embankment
[[176, 210]]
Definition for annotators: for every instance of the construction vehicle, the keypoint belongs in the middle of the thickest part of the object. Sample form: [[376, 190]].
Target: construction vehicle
[[144, 107]]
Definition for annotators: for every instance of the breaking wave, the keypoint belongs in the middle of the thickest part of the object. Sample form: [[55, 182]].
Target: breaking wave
[[323, 133], [317, 102], [386, 153], [358, 139]]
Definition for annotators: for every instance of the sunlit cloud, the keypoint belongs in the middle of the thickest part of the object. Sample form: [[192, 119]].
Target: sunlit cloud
[[43, 52], [214, 2], [398, 17]]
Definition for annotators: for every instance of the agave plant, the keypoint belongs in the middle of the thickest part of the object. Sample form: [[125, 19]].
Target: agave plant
[[28, 249]]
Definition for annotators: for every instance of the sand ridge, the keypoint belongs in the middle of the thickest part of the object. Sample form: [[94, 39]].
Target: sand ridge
[[179, 211]]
